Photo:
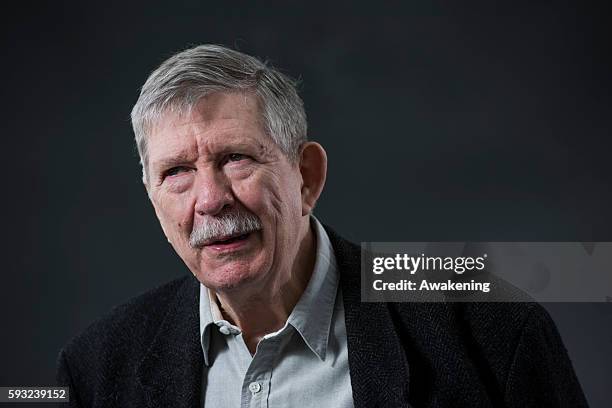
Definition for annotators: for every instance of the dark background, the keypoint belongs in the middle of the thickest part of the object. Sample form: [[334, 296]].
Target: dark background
[[442, 121]]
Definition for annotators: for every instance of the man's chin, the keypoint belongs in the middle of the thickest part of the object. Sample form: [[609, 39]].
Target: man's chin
[[229, 278]]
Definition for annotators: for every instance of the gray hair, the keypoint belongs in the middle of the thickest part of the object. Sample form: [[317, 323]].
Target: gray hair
[[223, 226], [180, 81]]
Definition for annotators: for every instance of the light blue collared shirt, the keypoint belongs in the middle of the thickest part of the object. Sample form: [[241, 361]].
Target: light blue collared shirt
[[303, 364]]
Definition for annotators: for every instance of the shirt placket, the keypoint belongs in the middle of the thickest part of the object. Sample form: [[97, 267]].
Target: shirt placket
[[256, 383]]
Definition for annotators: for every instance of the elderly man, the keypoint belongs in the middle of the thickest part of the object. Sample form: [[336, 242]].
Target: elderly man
[[271, 314]]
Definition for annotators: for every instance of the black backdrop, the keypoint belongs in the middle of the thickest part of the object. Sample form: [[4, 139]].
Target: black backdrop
[[465, 121]]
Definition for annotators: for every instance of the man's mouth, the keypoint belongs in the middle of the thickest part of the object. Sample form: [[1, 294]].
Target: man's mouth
[[227, 240], [228, 243]]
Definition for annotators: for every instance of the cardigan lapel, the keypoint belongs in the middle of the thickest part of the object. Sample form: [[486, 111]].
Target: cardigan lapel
[[171, 372], [377, 361]]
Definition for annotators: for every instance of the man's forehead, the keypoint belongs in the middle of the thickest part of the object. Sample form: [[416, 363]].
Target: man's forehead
[[230, 129], [178, 147], [228, 117], [220, 109]]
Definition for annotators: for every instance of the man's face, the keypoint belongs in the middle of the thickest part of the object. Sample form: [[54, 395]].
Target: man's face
[[217, 161]]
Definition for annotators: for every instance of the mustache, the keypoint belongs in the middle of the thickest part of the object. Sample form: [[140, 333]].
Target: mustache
[[223, 226]]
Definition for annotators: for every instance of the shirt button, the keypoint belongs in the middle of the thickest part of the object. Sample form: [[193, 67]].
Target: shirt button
[[224, 329], [254, 387]]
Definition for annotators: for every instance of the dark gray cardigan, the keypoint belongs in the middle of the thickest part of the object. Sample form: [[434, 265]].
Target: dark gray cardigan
[[147, 353]]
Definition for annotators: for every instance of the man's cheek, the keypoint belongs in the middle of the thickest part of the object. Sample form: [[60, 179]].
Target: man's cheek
[[179, 213], [253, 197], [176, 230]]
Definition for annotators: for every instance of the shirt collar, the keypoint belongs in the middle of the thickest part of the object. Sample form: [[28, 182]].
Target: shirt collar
[[311, 316], [210, 315]]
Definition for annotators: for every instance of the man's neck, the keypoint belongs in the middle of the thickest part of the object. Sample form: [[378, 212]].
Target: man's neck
[[266, 311]]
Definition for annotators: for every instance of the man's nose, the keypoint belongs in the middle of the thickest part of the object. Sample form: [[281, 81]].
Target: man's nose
[[213, 193]]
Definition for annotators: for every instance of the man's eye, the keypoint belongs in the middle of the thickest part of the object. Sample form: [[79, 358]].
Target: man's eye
[[175, 170], [234, 157]]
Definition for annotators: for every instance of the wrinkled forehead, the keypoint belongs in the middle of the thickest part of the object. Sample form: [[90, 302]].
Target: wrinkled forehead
[[216, 120], [244, 106]]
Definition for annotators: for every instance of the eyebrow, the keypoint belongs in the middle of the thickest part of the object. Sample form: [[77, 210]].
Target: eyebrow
[[184, 157]]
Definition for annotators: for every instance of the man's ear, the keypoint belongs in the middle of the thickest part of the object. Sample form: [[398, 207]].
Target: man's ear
[[313, 168]]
